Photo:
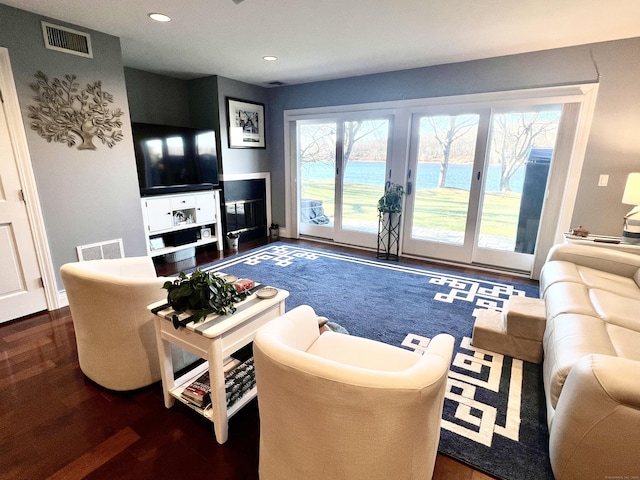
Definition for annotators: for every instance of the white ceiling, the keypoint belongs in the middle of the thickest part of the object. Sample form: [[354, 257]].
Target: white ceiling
[[326, 39]]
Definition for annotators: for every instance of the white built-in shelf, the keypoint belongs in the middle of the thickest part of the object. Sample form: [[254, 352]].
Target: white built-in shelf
[[196, 214]]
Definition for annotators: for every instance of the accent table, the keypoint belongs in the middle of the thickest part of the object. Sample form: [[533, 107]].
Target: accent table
[[214, 339], [615, 243]]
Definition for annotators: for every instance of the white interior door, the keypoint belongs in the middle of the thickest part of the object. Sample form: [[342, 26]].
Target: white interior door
[[21, 288]]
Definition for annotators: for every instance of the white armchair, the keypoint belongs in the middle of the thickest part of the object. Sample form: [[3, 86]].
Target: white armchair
[[115, 334], [345, 407]]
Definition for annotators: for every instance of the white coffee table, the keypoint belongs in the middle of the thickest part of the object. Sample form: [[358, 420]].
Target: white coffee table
[[214, 339]]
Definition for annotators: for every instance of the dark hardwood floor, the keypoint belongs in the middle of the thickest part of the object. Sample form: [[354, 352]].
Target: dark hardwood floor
[[56, 423]]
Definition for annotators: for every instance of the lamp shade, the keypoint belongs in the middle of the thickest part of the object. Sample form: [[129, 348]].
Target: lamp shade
[[631, 195]]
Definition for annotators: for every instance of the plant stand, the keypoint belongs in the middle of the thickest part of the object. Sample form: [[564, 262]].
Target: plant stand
[[388, 235]]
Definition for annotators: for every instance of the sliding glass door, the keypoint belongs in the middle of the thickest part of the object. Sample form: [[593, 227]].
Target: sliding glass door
[[442, 195], [342, 164], [477, 183], [489, 178], [519, 155], [316, 150]]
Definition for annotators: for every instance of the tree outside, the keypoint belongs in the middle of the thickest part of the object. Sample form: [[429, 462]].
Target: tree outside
[[446, 143]]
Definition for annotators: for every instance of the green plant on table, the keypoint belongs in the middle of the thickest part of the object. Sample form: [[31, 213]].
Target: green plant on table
[[201, 294]]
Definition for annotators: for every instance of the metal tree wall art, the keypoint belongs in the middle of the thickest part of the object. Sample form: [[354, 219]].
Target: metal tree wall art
[[66, 114]]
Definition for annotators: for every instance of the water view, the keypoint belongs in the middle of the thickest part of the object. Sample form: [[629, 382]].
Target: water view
[[373, 173]]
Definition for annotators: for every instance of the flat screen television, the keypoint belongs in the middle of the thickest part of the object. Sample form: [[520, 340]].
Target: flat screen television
[[174, 159]]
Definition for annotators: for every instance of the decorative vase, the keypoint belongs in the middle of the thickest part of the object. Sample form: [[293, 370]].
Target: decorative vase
[[274, 234]]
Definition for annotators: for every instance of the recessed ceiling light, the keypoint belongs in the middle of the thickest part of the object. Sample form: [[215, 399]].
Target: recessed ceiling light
[[159, 17], [270, 58]]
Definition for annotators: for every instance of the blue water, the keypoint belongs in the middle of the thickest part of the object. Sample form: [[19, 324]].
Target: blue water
[[373, 173]]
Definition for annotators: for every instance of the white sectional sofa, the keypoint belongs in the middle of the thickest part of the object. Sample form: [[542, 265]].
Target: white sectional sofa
[[592, 361]]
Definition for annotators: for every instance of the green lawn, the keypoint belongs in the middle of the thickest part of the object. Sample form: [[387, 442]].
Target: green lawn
[[445, 208]]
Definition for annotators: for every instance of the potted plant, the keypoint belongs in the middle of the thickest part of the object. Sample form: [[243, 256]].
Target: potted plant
[[391, 201], [274, 231], [232, 240], [200, 294]]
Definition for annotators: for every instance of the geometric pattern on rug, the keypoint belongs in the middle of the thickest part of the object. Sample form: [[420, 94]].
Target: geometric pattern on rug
[[484, 400], [474, 419]]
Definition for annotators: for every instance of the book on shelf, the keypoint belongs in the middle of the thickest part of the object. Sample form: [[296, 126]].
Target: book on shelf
[[198, 391], [238, 381]]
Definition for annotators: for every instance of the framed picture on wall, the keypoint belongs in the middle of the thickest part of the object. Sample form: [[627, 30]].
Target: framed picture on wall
[[246, 124]]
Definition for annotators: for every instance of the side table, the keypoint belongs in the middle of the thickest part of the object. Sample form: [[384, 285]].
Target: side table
[[615, 243], [215, 339]]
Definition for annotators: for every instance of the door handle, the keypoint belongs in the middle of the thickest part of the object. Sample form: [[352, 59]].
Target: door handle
[[478, 176], [409, 187]]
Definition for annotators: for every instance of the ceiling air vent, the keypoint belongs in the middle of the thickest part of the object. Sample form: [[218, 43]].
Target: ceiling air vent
[[66, 40], [276, 84]]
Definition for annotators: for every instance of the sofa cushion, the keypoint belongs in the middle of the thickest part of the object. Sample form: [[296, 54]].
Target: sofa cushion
[[625, 342], [557, 271], [615, 309], [610, 282], [595, 429], [568, 297], [562, 272], [568, 338]]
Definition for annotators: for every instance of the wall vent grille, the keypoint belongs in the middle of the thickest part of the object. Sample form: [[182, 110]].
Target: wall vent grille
[[67, 40], [101, 250]]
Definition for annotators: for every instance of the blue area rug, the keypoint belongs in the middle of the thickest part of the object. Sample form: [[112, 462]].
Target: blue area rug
[[494, 417]]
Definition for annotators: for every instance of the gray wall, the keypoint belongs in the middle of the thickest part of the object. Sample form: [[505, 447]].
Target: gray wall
[[241, 160], [86, 196], [200, 103], [614, 141], [149, 102], [613, 147], [208, 100]]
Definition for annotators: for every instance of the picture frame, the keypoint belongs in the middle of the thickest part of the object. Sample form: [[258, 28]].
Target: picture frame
[[246, 126], [156, 243]]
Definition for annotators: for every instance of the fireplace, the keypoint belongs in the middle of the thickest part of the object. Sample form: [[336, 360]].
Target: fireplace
[[245, 207]]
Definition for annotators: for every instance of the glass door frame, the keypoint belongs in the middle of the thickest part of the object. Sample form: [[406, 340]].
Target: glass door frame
[[577, 111], [446, 251], [319, 231], [564, 177], [338, 233], [517, 260]]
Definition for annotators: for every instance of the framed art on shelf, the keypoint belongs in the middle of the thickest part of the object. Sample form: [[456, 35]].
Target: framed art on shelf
[[156, 243], [246, 124]]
